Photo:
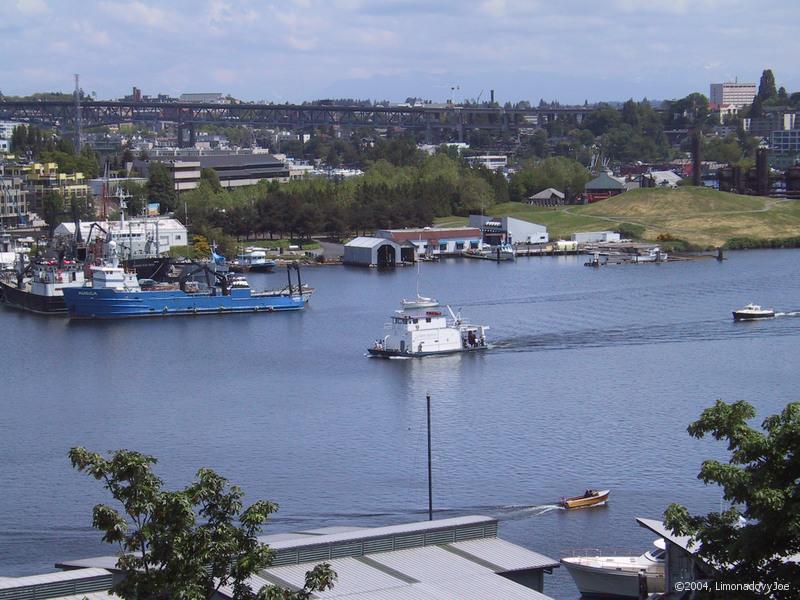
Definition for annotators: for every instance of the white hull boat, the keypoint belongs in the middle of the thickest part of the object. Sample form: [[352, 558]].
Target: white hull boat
[[425, 332], [618, 576]]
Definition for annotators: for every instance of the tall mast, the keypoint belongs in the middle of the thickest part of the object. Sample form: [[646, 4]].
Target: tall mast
[[78, 115]]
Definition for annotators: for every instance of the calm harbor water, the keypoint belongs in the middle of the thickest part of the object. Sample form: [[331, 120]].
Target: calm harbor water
[[595, 375]]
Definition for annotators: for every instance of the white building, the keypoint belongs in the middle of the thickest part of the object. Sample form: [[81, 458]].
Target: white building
[[7, 129], [509, 230], [135, 237], [493, 162], [738, 94], [589, 237], [435, 240]]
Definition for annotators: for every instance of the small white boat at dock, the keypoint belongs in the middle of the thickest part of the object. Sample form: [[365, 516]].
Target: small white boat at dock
[[618, 576]]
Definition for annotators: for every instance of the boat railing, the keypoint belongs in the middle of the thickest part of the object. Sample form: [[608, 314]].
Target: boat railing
[[605, 552]]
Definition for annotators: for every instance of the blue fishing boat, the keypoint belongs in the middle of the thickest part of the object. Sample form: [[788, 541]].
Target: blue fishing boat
[[115, 294]]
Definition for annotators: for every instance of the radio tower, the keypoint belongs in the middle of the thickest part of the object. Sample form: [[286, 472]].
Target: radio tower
[[78, 115]]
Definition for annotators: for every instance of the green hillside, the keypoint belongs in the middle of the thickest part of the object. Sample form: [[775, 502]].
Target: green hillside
[[701, 216]]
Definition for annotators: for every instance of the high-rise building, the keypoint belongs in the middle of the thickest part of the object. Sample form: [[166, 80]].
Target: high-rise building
[[732, 92]]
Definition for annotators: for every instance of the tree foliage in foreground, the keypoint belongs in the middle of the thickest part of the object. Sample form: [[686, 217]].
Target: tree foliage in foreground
[[750, 540], [185, 544]]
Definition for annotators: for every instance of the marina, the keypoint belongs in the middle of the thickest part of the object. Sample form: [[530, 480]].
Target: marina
[[568, 363]]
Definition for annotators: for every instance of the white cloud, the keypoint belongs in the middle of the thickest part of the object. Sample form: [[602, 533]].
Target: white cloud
[[138, 13], [31, 7]]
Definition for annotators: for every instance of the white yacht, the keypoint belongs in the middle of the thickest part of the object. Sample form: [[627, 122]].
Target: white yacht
[[424, 332], [751, 312], [618, 576]]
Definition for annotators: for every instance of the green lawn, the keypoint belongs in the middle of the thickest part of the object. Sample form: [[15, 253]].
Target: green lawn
[[701, 216]]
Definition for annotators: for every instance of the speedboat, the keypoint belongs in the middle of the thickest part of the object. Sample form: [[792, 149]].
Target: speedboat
[[589, 498], [618, 576], [751, 312], [425, 332]]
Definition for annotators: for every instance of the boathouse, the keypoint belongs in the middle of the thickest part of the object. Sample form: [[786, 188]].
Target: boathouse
[[449, 559], [434, 241], [376, 252], [590, 237]]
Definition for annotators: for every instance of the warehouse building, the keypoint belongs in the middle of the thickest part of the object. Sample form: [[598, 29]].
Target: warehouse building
[[508, 230], [435, 241], [449, 559]]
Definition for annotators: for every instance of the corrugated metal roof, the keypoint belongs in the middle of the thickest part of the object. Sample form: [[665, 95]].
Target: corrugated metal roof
[[353, 577], [507, 556], [100, 562], [368, 242], [390, 530], [430, 563], [478, 588], [57, 577], [659, 528]]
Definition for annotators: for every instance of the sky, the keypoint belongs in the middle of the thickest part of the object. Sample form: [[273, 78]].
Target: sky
[[295, 50]]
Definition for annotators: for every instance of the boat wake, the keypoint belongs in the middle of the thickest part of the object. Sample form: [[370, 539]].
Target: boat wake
[[710, 330]]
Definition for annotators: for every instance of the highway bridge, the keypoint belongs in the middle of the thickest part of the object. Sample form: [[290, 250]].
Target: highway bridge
[[456, 120]]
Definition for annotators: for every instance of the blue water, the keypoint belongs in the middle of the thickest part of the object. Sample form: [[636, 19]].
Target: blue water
[[595, 375]]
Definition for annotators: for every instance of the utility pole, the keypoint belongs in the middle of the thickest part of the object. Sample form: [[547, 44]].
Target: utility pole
[[78, 115], [430, 472]]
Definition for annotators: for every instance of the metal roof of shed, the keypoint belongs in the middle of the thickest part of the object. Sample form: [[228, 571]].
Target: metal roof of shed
[[369, 242]]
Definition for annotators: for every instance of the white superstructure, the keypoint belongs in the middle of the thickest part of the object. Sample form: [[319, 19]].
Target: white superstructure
[[424, 332]]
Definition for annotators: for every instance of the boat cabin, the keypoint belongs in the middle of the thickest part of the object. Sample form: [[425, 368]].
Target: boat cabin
[[49, 278]]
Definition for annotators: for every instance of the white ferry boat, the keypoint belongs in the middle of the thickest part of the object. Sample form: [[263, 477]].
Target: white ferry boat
[[428, 332]]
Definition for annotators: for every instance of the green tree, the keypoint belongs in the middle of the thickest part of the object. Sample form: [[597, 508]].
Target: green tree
[[766, 86], [183, 544], [210, 175], [751, 540], [161, 188]]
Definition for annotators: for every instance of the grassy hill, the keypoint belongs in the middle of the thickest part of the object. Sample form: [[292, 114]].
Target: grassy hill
[[701, 216]]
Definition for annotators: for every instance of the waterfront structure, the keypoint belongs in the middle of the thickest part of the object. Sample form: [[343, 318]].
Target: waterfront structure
[[785, 147], [732, 92], [448, 559], [547, 197], [508, 230], [376, 252], [604, 186], [136, 238], [91, 583], [591, 237], [435, 241]]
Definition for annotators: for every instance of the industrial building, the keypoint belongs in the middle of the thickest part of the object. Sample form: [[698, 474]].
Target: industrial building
[[508, 230], [449, 559], [377, 252], [591, 237], [435, 241], [135, 237]]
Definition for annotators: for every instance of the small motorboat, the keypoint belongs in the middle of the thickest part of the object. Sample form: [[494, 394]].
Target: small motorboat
[[752, 312], [619, 576], [589, 498]]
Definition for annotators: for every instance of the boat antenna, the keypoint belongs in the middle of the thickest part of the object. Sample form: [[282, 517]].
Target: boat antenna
[[430, 472]]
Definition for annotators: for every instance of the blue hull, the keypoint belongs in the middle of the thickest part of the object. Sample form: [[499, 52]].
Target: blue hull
[[87, 303]]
